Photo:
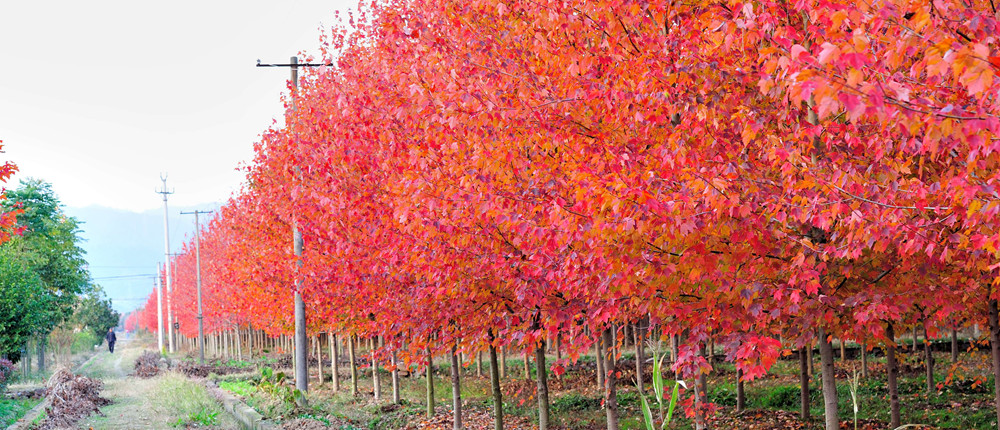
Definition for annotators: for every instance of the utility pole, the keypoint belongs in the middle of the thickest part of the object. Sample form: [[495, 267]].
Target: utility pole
[[166, 252], [159, 312], [301, 345], [197, 268]]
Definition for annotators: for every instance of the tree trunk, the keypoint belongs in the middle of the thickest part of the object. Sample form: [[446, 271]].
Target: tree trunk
[[741, 397], [913, 346], [376, 378], [430, 382], [804, 384], [995, 349], [395, 378], [527, 365], [829, 382], [891, 372], [864, 360], [954, 346], [599, 359], [559, 346], [637, 334], [610, 390], [700, 397], [319, 357], [811, 361], [843, 350], [541, 378], [456, 388], [41, 355], [354, 365], [479, 364], [503, 362], [239, 345], [334, 362], [495, 385], [929, 362]]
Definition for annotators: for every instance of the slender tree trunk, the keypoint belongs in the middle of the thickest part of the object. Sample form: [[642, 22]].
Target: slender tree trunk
[[430, 381], [527, 365], [495, 385], [456, 388], [319, 357], [929, 362], [250, 342], [829, 382], [843, 350], [811, 361], [334, 362], [700, 397], [559, 346], [599, 352], [995, 349], [892, 371], [376, 378], [954, 346], [354, 364], [41, 355], [864, 360], [479, 364], [913, 346], [239, 343], [804, 384], [395, 378], [610, 390], [639, 359], [541, 378], [503, 362], [741, 396]]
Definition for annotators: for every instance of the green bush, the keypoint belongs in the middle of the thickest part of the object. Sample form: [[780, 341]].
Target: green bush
[[84, 341]]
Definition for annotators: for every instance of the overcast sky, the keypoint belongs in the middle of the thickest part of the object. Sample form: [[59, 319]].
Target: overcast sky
[[100, 97]]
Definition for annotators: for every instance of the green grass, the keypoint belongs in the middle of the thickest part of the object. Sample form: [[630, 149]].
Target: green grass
[[187, 401], [12, 410]]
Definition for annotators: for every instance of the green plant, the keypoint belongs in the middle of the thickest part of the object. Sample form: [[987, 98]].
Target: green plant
[[854, 381], [273, 383], [575, 402], [199, 418], [782, 397], [647, 414]]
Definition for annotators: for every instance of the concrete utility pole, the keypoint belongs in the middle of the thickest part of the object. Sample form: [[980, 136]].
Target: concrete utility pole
[[301, 345], [166, 254], [159, 312], [197, 268]]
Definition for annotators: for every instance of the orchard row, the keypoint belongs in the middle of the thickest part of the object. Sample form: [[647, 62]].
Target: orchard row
[[477, 174]]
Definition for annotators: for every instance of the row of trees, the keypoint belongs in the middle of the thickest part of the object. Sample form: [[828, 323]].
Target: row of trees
[[44, 282], [470, 175]]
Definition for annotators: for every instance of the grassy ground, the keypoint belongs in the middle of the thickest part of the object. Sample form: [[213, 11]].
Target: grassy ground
[[168, 400], [962, 398], [12, 410]]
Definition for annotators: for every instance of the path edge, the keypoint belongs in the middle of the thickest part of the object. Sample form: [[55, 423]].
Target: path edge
[[248, 418]]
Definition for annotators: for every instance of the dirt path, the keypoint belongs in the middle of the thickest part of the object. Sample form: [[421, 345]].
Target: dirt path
[[166, 401]]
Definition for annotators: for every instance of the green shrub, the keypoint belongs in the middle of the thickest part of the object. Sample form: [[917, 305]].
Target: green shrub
[[84, 341]]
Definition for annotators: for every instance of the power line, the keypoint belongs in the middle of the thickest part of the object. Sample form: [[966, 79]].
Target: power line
[[144, 275]]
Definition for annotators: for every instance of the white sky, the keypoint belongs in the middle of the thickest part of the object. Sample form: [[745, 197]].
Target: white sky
[[99, 97]]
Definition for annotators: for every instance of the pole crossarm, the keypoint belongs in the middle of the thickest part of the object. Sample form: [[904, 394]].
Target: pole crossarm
[[259, 64]]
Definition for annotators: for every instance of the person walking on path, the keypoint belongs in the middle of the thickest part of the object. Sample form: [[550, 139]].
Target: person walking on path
[[111, 338]]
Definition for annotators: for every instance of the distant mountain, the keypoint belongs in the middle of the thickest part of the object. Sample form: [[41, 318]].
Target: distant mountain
[[124, 247]]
